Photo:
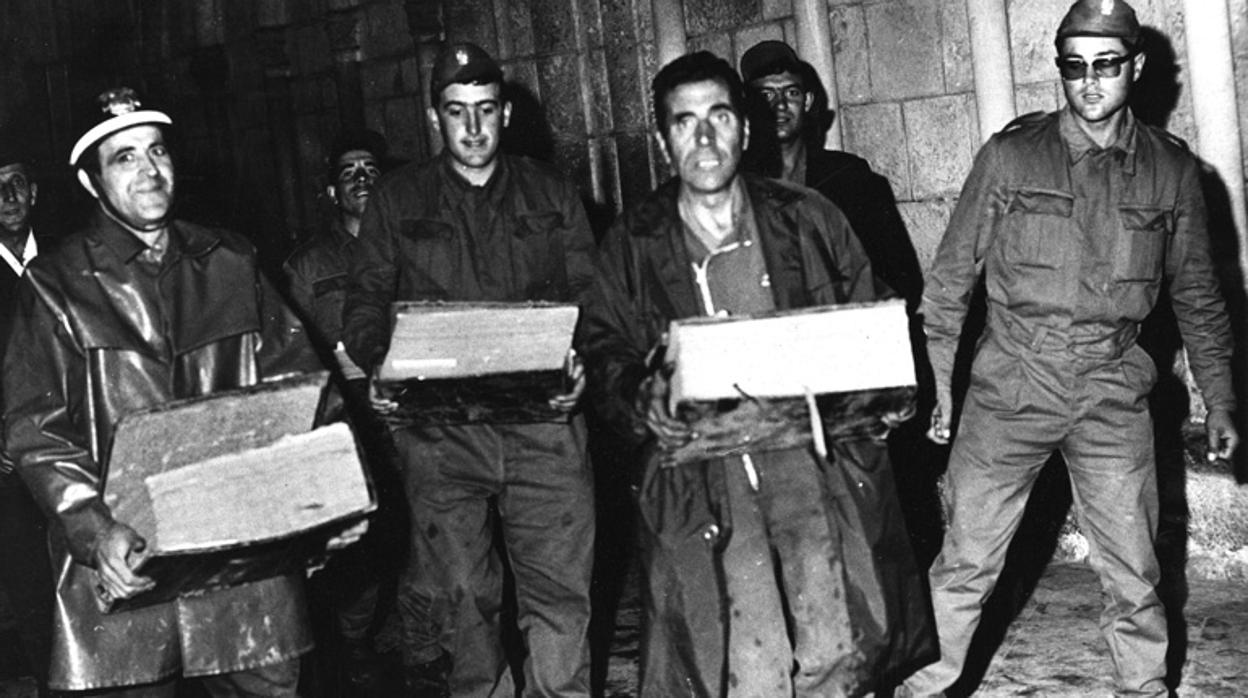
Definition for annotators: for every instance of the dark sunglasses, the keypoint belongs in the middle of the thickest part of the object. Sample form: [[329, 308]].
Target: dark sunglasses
[[1077, 68]]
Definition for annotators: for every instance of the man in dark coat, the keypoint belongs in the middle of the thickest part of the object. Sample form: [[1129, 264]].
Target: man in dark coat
[[134, 310], [789, 113], [721, 617], [25, 571], [476, 224]]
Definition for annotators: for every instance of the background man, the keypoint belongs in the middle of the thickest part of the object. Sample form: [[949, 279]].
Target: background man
[[316, 273], [714, 242], [476, 224], [1075, 218], [788, 144], [25, 571], [131, 311]]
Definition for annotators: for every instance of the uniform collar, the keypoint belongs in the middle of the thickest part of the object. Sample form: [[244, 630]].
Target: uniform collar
[[1079, 145], [459, 187]]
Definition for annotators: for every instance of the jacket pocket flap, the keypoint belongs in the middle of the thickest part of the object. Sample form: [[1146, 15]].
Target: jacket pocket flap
[[1042, 201]]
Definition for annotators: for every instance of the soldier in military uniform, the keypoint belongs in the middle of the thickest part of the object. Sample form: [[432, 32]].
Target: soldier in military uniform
[[1075, 218]]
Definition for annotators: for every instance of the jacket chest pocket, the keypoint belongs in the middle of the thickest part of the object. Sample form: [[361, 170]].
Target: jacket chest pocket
[[1141, 246], [427, 258], [329, 285], [538, 255], [1037, 227]]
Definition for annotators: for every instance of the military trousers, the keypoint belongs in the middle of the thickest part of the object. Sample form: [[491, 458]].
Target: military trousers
[[538, 479], [1022, 406]]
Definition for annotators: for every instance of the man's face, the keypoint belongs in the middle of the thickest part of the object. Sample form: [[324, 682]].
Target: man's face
[[1093, 97], [136, 176], [789, 102], [471, 119], [17, 196], [356, 173], [704, 136]]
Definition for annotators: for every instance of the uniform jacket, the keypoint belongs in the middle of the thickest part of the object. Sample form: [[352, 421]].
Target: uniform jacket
[[812, 258], [529, 240], [1071, 273], [316, 273], [97, 337]]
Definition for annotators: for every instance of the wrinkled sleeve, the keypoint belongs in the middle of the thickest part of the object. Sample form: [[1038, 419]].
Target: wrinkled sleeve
[[616, 340], [857, 281], [959, 260], [371, 281], [47, 423], [1198, 303]]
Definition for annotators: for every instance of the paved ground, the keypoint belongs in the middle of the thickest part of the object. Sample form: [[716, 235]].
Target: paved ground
[[1053, 648]]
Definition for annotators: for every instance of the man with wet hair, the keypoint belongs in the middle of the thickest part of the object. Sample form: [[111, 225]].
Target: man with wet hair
[[745, 589]]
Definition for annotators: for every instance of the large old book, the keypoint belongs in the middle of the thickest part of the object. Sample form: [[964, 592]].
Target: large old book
[[748, 383], [233, 487], [460, 362]]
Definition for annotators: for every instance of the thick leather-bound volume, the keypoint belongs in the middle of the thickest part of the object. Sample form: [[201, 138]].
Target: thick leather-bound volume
[[233, 487], [746, 383], [462, 363]]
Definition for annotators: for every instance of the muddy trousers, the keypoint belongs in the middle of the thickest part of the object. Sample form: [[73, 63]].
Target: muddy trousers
[[1095, 413], [539, 478], [745, 592]]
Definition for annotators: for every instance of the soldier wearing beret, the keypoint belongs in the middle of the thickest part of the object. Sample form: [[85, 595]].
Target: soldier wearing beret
[[1077, 219], [477, 224]]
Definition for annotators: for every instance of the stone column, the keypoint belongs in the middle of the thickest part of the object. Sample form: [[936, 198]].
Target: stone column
[[814, 45], [994, 72], [1212, 79], [670, 40]]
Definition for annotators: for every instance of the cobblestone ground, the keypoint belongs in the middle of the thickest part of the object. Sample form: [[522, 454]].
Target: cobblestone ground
[[1054, 647]]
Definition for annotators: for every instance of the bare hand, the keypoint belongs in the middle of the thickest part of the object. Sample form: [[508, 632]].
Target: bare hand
[[652, 396], [941, 430], [380, 403], [1221, 434], [574, 369], [119, 551]]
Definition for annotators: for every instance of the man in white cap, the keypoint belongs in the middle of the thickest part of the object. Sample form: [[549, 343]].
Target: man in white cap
[[133, 310], [1076, 218]]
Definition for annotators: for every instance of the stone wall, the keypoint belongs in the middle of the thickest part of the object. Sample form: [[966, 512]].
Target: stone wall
[[259, 88]]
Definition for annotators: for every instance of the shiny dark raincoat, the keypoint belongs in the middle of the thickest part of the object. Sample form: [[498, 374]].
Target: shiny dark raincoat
[[97, 337]]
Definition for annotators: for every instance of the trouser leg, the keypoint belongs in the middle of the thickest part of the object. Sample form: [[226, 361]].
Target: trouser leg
[[449, 475], [760, 659], [1114, 480], [795, 506], [995, 460], [547, 510]]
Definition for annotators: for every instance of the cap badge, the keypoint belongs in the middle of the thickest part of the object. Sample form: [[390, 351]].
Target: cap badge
[[116, 102], [1107, 7], [461, 57]]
